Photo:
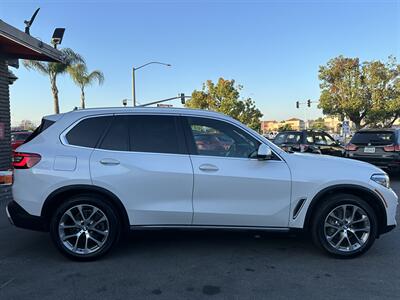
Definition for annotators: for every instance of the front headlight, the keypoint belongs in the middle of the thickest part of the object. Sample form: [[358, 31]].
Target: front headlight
[[382, 179]]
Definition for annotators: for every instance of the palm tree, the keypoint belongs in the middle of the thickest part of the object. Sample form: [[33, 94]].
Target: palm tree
[[82, 78], [53, 69]]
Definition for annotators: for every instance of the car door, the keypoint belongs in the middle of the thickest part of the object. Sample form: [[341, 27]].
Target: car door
[[231, 186], [143, 160]]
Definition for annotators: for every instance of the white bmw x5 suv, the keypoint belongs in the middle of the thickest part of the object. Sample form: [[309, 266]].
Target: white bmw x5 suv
[[88, 176]]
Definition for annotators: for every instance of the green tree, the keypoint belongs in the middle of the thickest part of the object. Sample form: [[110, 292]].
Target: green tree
[[366, 93], [319, 124], [285, 127], [53, 69], [224, 97], [83, 78]]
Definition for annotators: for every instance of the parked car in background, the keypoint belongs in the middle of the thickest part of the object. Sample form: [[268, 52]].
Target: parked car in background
[[311, 141], [18, 138], [380, 147], [270, 135]]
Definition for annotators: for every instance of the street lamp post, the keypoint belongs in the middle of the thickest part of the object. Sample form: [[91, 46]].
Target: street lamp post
[[133, 77]]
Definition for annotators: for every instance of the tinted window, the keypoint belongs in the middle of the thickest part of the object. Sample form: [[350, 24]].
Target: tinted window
[[288, 138], [329, 140], [293, 138], [157, 134], [218, 138], [280, 138], [374, 138], [319, 139], [154, 134], [88, 132], [42, 127], [310, 138], [117, 137]]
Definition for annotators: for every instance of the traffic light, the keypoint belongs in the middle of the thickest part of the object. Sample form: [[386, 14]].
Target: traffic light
[[297, 104], [182, 95], [309, 103]]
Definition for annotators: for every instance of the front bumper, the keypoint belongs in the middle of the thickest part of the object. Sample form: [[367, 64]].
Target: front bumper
[[20, 218]]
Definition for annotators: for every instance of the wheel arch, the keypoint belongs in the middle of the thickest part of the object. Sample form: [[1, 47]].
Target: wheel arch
[[57, 196], [370, 196]]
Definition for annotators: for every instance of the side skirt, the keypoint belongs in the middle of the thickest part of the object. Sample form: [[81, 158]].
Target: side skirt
[[200, 227]]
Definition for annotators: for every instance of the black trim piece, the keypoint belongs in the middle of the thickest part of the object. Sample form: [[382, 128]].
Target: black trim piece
[[220, 227], [388, 228], [21, 218], [298, 207], [190, 143]]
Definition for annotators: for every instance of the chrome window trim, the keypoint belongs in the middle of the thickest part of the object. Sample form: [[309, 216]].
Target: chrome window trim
[[65, 142]]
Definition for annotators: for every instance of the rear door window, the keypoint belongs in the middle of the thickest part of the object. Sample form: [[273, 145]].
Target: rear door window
[[373, 138], [293, 138], [319, 139], [87, 132], [144, 133], [280, 139], [158, 134], [117, 137]]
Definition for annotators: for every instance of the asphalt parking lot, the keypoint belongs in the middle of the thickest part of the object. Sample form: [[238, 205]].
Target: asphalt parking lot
[[177, 264]]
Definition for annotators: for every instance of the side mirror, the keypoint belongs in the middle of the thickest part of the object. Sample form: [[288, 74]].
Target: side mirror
[[264, 152]]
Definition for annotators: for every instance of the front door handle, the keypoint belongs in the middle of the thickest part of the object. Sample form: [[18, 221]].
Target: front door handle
[[109, 162], [208, 167]]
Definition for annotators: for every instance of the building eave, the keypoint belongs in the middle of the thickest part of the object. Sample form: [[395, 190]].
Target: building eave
[[15, 43]]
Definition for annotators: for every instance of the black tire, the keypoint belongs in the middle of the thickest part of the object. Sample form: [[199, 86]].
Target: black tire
[[111, 224], [318, 225]]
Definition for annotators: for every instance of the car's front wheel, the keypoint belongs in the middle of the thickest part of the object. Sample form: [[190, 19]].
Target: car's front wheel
[[344, 226], [85, 227]]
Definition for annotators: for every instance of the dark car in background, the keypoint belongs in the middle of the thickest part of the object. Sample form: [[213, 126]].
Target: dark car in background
[[380, 147], [311, 141], [18, 138]]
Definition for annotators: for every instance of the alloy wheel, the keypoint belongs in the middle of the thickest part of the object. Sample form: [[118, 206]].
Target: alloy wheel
[[83, 229], [347, 228]]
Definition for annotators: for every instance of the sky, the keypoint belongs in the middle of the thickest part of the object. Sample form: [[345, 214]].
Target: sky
[[272, 48]]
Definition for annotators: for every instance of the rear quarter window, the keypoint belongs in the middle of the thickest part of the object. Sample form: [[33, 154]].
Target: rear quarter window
[[42, 127], [87, 132]]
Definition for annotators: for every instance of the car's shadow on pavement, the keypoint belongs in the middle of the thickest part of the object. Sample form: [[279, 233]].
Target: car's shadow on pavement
[[209, 241]]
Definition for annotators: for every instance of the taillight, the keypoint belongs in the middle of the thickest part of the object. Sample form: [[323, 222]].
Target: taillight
[[392, 148], [303, 147], [350, 147], [25, 160]]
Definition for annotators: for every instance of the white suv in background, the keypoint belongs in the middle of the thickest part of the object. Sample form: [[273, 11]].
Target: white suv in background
[[88, 176]]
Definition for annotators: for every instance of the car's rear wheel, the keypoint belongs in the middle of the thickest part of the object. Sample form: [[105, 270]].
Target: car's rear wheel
[[345, 226], [85, 227]]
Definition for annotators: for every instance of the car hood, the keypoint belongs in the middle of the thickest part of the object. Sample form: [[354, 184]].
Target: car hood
[[328, 168]]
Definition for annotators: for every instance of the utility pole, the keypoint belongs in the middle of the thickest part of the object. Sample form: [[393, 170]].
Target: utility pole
[[133, 77]]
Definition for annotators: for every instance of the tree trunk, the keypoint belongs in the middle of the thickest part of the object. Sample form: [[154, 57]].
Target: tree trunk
[[54, 90], [82, 97], [357, 123]]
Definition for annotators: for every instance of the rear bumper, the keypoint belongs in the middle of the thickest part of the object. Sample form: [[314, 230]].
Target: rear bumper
[[20, 218], [389, 163]]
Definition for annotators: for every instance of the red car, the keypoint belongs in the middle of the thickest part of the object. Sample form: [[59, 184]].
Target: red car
[[18, 138]]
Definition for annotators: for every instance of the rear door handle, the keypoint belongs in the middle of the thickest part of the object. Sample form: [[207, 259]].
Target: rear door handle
[[208, 167], [109, 162]]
